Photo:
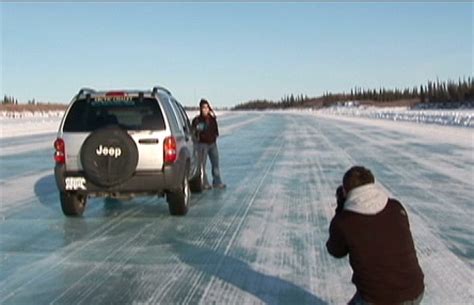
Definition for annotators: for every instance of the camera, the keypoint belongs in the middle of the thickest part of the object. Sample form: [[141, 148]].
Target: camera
[[340, 198]]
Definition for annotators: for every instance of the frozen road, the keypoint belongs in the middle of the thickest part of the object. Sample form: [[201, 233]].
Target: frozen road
[[261, 241]]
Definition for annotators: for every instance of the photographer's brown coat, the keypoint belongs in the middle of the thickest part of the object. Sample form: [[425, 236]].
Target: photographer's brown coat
[[381, 253]]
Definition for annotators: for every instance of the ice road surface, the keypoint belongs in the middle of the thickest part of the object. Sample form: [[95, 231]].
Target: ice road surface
[[260, 241]]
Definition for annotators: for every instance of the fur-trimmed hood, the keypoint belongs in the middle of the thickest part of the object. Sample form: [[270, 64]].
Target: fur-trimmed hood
[[368, 199]]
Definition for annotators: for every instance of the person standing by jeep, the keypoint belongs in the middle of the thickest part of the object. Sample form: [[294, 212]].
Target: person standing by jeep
[[205, 125], [374, 230]]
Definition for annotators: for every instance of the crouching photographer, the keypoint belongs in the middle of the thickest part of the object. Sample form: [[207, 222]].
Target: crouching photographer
[[374, 231]]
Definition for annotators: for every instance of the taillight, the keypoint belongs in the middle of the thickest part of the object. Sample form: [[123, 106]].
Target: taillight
[[60, 153], [169, 148]]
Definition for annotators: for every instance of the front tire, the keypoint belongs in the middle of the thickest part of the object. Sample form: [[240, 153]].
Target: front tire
[[178, 201], [196, 184], [72, 204]]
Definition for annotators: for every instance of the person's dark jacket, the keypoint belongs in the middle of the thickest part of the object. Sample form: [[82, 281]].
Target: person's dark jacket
[[206, 128], [374, 230]]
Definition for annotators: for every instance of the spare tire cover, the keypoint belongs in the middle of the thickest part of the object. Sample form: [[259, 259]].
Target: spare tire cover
[[109, 156]]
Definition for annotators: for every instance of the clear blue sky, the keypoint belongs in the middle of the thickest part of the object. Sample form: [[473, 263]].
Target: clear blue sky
[[230, 52]]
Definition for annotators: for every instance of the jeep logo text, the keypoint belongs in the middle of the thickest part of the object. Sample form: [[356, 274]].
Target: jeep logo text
[[108, 151]]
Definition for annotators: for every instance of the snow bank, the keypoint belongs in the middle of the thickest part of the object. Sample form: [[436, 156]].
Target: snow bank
[[461, 117], [30, 114], [13, 124]]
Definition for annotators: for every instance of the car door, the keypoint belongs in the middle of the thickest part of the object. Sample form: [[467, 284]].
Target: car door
[[189, 136]]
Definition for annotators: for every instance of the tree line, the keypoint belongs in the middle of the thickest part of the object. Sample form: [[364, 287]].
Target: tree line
[[434, 92], [11, 100], [288, 101]]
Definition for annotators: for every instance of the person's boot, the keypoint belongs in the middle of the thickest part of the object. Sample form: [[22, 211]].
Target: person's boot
[[219, 186]]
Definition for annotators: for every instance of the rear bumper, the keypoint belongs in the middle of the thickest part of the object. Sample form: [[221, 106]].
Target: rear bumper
[[154, 182]]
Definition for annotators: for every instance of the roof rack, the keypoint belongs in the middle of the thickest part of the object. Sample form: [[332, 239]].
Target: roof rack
[[156, 88], [84, 90]]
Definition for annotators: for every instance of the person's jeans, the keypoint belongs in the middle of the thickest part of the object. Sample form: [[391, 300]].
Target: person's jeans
[[211, 151], [357, 300]]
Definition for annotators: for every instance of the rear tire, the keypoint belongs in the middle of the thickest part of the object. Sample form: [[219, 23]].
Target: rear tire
[[178, 201], [72, 204]]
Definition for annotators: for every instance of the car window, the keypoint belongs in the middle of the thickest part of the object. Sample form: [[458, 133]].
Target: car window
[[171, 115], [178, 114], [88, 115], [184, 116]]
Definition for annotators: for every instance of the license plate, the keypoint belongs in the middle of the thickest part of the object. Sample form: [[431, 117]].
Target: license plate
[[75, 183]]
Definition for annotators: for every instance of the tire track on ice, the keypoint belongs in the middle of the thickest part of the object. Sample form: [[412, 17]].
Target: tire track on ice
[[218, 221], [308, 222], [280, 203], [432, 196], [144, 287], [440, 265], [122, 258], [328, 270], [176, 272], [16, 196], [227, 129], [53, 261], [203, 239], [19, 145], [223, 233], [243, 218]]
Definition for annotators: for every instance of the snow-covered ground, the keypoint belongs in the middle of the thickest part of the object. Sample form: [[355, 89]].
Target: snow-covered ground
[[14, 124], [462, 117], [262, 240]]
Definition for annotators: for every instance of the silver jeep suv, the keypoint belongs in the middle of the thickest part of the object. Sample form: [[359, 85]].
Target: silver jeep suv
[[126, 143]]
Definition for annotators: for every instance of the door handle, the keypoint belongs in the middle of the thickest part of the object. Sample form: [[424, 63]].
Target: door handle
[[149, 141]]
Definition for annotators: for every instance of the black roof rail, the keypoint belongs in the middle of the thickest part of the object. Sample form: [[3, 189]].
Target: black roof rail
[[156, 88], [84, 90]]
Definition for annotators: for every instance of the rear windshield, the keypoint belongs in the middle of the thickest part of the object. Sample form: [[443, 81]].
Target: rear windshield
[[129, 113]]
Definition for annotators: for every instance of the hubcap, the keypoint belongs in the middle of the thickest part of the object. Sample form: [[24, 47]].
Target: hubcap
[[82, 201]]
